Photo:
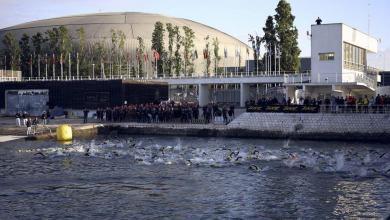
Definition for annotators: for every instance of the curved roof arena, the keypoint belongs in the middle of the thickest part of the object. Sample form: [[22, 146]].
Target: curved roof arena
[[98, 27]]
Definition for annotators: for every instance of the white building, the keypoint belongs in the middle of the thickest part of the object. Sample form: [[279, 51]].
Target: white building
[[339, 63]]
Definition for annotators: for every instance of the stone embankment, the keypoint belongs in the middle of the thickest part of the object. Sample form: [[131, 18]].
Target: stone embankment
[[359, 127], [346, 127]]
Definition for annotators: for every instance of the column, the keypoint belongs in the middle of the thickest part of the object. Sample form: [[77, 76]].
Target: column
[[204, 94], [244, 93]]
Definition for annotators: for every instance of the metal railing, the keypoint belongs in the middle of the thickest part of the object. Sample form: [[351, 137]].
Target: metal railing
[[355, 109], [160, 77]]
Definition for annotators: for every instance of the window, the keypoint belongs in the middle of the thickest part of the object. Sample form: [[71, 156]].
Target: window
[[326, 56], [355, 58]]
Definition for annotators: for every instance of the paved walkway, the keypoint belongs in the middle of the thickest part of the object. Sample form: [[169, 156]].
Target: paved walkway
[[8, 126], [5, 138]]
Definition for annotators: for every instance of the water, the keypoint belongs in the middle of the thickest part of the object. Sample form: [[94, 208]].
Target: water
[[193, 178]]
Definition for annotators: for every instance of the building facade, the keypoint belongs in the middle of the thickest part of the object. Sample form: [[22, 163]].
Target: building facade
[[98, 29], [338, 63]]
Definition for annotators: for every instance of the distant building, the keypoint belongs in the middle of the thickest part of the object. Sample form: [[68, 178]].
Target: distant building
[[384, 78], [98, 28]]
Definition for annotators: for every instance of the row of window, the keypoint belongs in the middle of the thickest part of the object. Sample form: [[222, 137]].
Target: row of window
[[355, 58]]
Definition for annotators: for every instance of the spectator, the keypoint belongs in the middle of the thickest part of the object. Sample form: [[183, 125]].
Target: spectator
[[28, 125], [85, 111], [17, 116]]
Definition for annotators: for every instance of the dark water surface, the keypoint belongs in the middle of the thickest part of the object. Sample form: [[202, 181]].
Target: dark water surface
[[146, 177]]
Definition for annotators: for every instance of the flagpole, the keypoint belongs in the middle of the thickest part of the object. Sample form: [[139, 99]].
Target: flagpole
[[70, 66], [31, 59], [54, 66], [77, 65], [46, 65], [275, 57], [62, 67], [39, 66]]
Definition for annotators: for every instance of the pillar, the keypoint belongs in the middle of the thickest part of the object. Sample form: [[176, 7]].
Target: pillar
[[244, 93], [204, 94]]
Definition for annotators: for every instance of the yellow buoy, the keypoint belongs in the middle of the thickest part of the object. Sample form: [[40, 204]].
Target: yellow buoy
[[64, 133]]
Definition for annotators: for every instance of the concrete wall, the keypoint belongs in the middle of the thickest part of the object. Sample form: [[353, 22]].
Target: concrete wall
[[325, 39], [321, 126], [328, 38]]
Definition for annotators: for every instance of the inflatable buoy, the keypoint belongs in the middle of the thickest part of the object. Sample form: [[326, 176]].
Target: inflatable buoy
[[64, 133]]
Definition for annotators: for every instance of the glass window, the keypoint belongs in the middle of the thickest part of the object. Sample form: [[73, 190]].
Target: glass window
[[355, 58], [326, 56]]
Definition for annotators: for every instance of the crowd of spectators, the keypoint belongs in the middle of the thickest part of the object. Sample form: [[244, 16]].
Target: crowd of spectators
[[373, 104], [168, 111]]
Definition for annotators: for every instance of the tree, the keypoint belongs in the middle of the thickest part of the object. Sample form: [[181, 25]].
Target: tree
[[288, 35], [121, 48], [65, 44], [256, 44], [37, 41], [53, 44], [11, 50], [158, 44], [113, 50], [171, 39], [217, 58], [25, 55], [98, 56], [81, 52], [206, 54], [270, 40], [188, 45], [177, 59], [140, 53]]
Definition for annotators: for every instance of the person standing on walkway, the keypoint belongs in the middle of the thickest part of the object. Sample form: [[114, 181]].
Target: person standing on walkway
[[17, 116], [28, 124], [35, 123], [44, 118], [85, 115], [24, 118]]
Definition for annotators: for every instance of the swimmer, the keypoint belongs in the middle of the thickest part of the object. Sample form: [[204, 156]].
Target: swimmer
[[238, 158], [86, 152], [254, 168], [188, 162], [41, 154]]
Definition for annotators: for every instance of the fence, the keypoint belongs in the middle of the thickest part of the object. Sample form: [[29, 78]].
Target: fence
[[356, 109], [335, 109]]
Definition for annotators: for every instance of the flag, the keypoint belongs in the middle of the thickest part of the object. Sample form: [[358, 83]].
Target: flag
[[205, 54], [30, 60], [194, 55], [225, 52], [156, 55]]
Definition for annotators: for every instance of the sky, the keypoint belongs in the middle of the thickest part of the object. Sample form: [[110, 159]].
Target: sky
[[235, 17]]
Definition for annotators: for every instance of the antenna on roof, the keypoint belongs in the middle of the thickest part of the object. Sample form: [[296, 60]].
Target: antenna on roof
[[368, 17]]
